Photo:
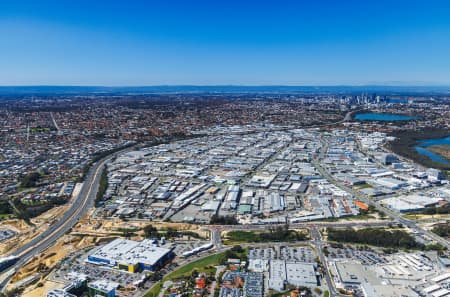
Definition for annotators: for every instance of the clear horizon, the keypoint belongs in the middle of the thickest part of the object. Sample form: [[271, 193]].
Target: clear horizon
[[256, 43], [387, 85]]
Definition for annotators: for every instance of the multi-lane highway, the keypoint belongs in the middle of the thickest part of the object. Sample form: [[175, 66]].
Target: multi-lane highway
[[78, 207]]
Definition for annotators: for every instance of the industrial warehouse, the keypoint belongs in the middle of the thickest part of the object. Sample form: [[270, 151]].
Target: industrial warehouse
[[131, 256]]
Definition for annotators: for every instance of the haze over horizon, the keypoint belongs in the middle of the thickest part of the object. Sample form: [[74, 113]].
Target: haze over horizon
[[325, 43]]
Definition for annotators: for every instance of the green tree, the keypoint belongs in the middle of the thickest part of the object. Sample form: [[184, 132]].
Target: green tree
[[150, 231]]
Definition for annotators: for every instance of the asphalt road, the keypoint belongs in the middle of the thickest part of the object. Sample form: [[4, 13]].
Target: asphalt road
[[78, 208], [317, 242], [396, 216], [308, 224], [86, 198]]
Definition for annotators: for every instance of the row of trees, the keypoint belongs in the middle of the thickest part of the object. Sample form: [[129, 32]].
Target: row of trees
[[374, 236], [282, 233], [5, 207], [236, 252], [442, 230], [151, 232], [437, 210], [223, 220], [279, 233], [100, 155], [29, 180], [103, 185], [27, 211]]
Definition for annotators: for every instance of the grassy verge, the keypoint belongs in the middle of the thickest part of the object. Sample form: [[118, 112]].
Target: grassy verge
[[154, 291], [201, 265], [103, 186], [421, 216], [4, 216]]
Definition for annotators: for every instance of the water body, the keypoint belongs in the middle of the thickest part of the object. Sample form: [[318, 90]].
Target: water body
[[384, 117], [422, 149]]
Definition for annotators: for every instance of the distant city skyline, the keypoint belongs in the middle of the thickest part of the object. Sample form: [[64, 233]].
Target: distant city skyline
[[290, 43]]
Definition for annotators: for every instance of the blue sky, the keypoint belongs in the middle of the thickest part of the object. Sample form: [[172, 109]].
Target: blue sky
[[126, 43]]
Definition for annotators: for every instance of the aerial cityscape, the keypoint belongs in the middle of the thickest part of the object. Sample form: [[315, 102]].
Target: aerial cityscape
[[135, 180]]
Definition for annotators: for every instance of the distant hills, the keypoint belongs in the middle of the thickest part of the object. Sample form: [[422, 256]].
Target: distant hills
[[101, 90]]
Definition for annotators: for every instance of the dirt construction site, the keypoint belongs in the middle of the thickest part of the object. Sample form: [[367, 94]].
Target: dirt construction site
[[87, 233]]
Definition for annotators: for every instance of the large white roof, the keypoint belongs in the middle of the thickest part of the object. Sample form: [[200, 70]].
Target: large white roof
[[129, 251]]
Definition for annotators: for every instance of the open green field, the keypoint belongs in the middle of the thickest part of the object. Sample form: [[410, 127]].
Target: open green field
[[201, 265], [238, 236]]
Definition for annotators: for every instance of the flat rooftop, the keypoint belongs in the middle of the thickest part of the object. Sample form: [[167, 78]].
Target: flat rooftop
[[103, 285], [356, 273], [129, 251]]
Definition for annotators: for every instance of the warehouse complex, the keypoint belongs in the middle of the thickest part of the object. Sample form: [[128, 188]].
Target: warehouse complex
[[131, 256], [409, 203]]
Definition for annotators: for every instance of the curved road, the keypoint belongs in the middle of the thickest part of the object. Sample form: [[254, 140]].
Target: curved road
[[79, 207]]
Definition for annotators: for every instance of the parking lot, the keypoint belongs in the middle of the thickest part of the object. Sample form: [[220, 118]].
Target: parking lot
[[366, 257], [76, 263], [297, 253], [281, 252], [180, 248], [135, 282]]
